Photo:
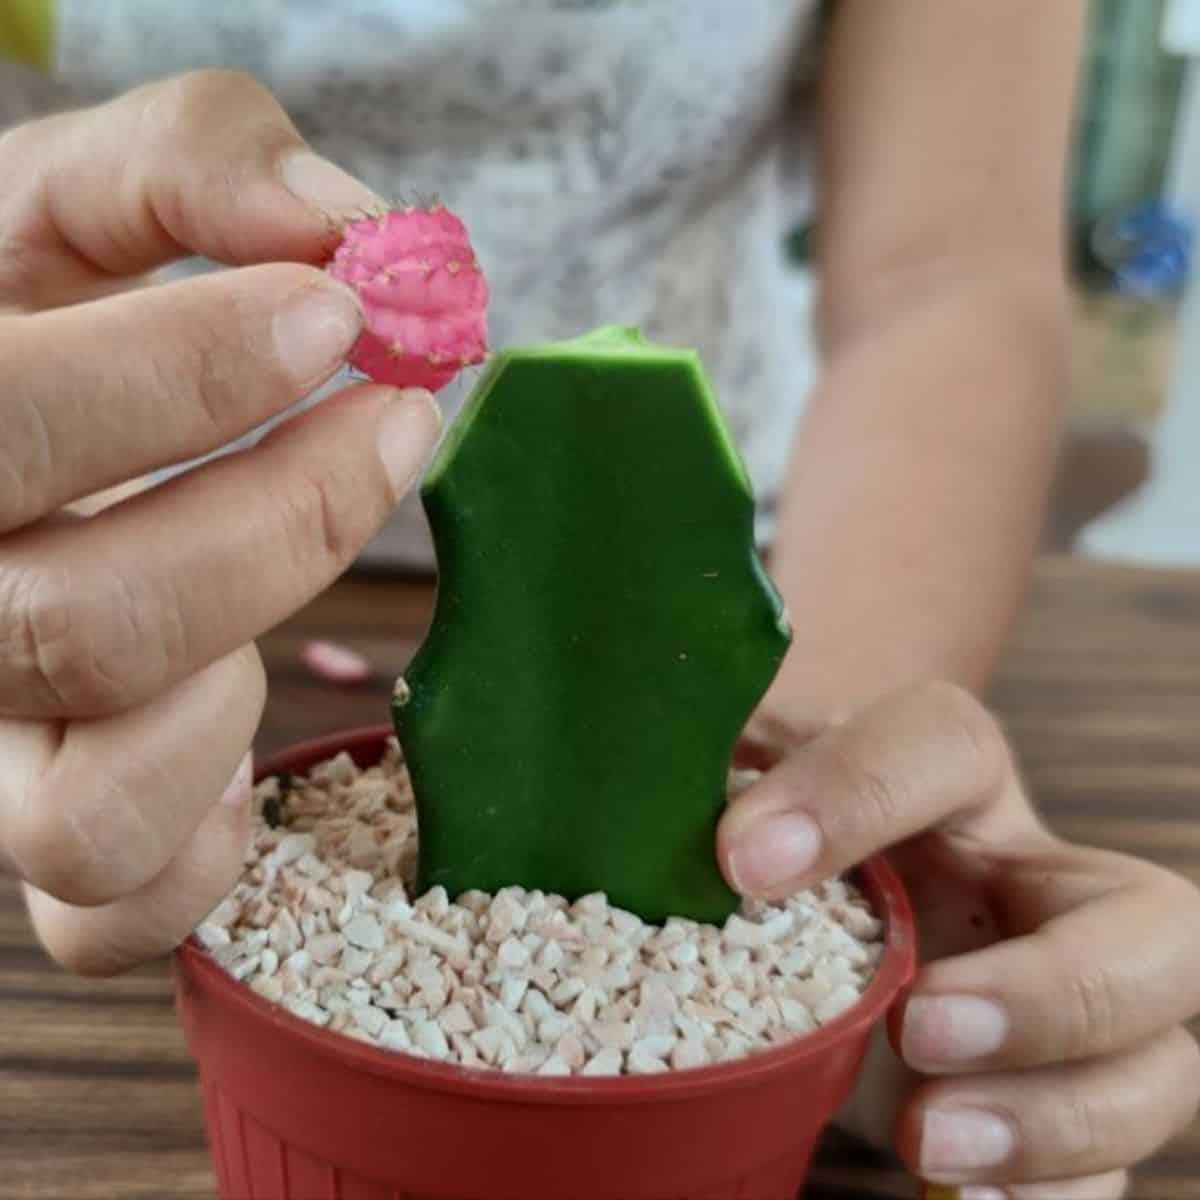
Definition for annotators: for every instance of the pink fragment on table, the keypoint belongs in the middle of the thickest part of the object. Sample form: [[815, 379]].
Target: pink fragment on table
[[335, 664]]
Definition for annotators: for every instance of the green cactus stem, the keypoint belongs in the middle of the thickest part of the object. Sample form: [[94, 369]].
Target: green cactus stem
[[603, 629]]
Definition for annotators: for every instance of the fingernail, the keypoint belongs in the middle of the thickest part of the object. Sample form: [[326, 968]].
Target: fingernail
[[408, 429], [951, 1030], [775, 853], [315, 329], [328, 188], [958, 1140], [237, 794], [940, 1191]]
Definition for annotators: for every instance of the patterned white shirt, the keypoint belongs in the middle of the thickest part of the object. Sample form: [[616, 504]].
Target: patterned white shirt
[[615, 160]]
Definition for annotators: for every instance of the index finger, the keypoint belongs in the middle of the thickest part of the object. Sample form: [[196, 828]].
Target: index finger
[[207, 163]]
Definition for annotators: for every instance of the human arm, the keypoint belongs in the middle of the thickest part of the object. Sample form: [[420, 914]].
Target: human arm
[[917, 484], [1044, 1051]]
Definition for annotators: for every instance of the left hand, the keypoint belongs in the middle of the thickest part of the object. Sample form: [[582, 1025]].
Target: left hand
[[1044, 1041]]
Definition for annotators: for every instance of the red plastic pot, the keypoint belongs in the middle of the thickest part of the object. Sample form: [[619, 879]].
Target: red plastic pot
[[296, 1112]]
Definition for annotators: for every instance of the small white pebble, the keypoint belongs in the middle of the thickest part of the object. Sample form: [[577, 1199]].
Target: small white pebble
[[527, 1061], [370, 1019], [550, 956], [429, 935], [736, 1001], [475, 901], [657, 1045], [684, 954], [326, 947], [355, 962], [554, 1066], [685, 982], [796, 962], [512, 992], [740, 932], [290, 848], [454, 1018], [586, 1005], [735, 1044], [497, 1015], [397, 908], [268, 986], [753, 1022], [568, 991], [425, 975], [212, 936], [536, 1004], [364, 932], [394, 1036], [309, 1011], [612, 1035], [299, 964], [778, 926], [593, 905], [687, 1054], [426, 1036], [796, 1016], [490, 1043], [607, 1061], [570, 1050], [843, 997], [551, 1028], [356, 884], [641, 1063], [226, 913], [465, 1050], [386, 964], [512, 955]]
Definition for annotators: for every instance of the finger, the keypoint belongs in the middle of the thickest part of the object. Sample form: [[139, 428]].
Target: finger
[[99, 814], [158, 916], [1112, 1185], [1086, 983], [99, 616], [95, 394], [927, 757], [219, 170], [1053, 1123]]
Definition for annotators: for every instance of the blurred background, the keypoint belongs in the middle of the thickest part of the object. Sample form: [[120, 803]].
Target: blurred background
[[1129, 483], [1128, 486]]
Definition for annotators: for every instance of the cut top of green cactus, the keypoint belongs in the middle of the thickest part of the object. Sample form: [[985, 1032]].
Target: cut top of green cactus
[[603, 630]]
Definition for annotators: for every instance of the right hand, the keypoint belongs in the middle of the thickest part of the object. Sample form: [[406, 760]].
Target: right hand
[[130, 688]]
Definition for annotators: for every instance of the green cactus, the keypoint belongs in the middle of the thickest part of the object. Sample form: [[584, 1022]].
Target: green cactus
[[603, 629]]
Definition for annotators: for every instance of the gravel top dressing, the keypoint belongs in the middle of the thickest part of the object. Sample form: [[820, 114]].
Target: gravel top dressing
[[323, 923]]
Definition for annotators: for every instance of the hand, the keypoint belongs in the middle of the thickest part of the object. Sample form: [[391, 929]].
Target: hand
[[129, 686], [1045, 1035]]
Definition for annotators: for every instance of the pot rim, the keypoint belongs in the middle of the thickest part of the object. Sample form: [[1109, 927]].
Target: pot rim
[[892, 977]]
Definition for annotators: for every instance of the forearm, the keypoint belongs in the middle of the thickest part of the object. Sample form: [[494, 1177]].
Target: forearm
[[916, 489]]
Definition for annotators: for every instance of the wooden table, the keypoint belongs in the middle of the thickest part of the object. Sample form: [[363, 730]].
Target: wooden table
[[1100, 690]]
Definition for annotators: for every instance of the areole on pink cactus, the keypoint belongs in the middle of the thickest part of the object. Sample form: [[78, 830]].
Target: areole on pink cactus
[[423, 293]]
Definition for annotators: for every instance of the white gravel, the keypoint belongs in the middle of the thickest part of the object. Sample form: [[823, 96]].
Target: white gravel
[[324, 923]]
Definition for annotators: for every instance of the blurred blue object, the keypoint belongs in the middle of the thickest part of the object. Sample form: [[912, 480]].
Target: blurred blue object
[[1148, 249]]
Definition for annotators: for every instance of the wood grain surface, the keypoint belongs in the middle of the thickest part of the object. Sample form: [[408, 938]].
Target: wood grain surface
[[1100, 690]]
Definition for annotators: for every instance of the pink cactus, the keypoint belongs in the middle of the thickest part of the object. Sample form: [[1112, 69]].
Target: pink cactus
[[424, 294]]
